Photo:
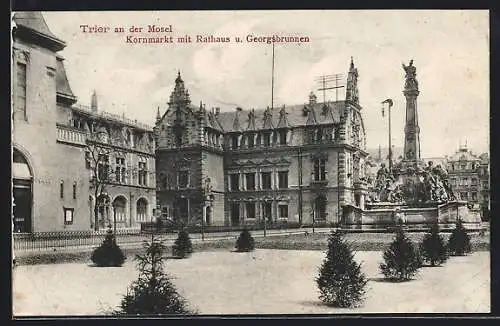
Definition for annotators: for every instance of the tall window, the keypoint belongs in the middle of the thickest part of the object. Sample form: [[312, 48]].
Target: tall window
[[267, 139], [183, 180], [250, 210], [74, 190], [61, 189], [143, 173], [103, 167], [283, 211], [120, 170], [251, 140], [250, 179], [142, 210], [283, 179], [319, 169], [282, 137], [266, 180], [21, 89], [234, 180], [474, 181], [474, 196], [234, 142]]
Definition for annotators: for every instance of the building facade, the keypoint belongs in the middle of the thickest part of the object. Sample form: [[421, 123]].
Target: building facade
[[52, 138], [294, 164], [469, 178]]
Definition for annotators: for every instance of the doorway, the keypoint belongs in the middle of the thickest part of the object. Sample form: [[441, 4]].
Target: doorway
[[22, 193]]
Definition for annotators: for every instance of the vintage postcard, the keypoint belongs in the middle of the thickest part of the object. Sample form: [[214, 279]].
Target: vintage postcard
[[250, 162]]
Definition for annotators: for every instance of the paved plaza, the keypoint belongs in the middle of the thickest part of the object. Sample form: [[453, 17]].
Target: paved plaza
[[260, 282]]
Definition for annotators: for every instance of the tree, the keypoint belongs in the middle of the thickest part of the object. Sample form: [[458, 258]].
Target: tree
[[152, 293], [401, 259], [108, 254], [433, 246], [341, 282], [459, 241], [245, 241], [182, 247]]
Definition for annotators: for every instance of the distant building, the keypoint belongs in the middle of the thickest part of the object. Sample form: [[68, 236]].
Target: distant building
[[469, 176], [294, 164], [52, 179]]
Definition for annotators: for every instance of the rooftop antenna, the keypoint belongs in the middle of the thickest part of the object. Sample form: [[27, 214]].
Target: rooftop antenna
[[272, 81], [325, 80]]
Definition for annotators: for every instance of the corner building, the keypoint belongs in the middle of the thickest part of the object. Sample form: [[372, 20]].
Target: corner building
[[52, 189], [296, 164]]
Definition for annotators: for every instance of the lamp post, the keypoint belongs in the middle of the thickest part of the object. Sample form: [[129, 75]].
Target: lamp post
[[390, 104]]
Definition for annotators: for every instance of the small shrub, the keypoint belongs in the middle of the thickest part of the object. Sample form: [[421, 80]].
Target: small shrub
[[459, 241], [245, 241], [340, 282], [152, 293], [401, 260], [433, 247], [108, 254], [182, 247]]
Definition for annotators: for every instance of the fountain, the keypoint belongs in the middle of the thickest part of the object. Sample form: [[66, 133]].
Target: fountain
[[411, 192]]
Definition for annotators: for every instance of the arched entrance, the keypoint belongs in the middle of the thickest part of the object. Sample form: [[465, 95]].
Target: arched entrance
[[119, 210], [142, 210], [320, 208], [22, 193]]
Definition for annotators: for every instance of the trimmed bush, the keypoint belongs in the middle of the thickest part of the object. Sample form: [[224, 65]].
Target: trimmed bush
[[182, 247], [245, 241], [108, 254], [433, 247], [401, 259], [152, 293], [340, 282], [459, 241]]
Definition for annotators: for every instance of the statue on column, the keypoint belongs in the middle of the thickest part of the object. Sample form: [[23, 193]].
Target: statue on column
[[411, 76]]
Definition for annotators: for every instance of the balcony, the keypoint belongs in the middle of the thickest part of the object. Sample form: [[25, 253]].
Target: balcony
[[69, 135]]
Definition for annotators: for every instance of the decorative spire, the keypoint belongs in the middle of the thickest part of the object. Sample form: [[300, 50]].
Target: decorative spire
[[158, 116], [268, 119], [352, 94], [251, 120], [283, 122], [312, 98], [311, 116], [236, 122], [93, 101], [180, 95]]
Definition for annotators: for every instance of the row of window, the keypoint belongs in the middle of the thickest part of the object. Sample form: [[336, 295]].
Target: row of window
[[463, 166], [468, 196], [252, 140], [120, 172], [61, 189], [249, 181], [464, 182], [250, 210]]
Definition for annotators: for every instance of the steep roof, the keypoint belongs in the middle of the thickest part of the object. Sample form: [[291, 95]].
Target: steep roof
[[63, 88], [296, 115], [32, 25]]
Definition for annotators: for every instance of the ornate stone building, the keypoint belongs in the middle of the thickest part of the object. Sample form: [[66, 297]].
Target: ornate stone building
[[293, 164], [52, 137], [469, 177]]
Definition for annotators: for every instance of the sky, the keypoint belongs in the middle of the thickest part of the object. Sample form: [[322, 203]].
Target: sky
[[450, 50]]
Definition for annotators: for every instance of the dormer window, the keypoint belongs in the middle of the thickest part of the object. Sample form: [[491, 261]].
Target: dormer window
[[251, 140], [267, 139], [234, 141]]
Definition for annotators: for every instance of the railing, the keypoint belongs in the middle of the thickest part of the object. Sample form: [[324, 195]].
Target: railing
[[71, 136], [113, 116], [59, 240]]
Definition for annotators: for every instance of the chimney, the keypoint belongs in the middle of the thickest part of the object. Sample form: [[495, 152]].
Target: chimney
[[312, 98], [217, 111], [93, 102], [239, 109]]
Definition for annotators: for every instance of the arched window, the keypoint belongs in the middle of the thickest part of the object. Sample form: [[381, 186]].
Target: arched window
[[119, 206], [142, 210]]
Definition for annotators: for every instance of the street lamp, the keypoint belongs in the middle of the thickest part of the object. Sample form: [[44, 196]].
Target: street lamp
[[390, 104]]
